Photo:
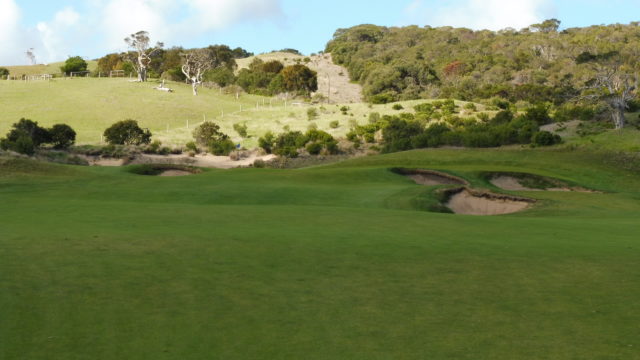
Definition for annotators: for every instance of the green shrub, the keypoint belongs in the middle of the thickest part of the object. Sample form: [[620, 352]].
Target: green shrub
[[62, 136], [314, 148], [312, 114], [470, 106], [221, 147], [127, 132], [207, 132], [241, 129], [398, 107], [374, 117], [267, 142], [334, 124], [191, 146], [545, 138]]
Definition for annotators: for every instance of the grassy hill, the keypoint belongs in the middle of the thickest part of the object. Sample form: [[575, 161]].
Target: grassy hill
[[53, 68], [91, 105], [333, 262]]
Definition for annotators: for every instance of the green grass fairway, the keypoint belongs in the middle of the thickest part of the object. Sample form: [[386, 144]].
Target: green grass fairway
[[91, 105], [331, 262]]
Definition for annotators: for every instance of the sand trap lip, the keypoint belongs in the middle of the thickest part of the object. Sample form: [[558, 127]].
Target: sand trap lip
[[430, 177], [173, 173], [517, 182], [164, 170], [465, 201]]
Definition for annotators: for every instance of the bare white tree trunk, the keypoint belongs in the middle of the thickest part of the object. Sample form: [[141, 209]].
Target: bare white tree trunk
[[194, 86]]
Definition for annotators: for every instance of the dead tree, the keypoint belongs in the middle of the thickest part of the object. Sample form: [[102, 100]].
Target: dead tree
[[139, 43], [614, 88], [31, 56], [194, 64]]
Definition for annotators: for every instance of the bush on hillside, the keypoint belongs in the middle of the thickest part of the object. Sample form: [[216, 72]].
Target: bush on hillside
[[4, 73], [127, 132], [74, 64], [545, 138], [62, 136], [207, 132]]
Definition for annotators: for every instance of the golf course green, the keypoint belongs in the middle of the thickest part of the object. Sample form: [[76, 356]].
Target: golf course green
[[342, 261]]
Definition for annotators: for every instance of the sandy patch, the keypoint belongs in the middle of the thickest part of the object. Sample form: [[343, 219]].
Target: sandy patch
[[205, 161], [511, 183], [100, 161], [172, 173], [430, 177], [467, 202]]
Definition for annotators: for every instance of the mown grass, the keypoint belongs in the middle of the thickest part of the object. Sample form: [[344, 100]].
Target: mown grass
[[331, 262]]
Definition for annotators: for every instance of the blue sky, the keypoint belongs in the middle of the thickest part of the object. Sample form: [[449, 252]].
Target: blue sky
[[92, 28]]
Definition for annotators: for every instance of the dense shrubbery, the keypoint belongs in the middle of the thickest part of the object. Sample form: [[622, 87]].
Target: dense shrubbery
[[273, 77], [4, 72], [166, 63], [26, 136], [288, 144], [527, 65], [430, 128], [127, 132]]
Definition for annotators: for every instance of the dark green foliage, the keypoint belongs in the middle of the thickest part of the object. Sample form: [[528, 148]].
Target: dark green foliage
[[545, 138], [398, 135], [207, 132], [287, 144], [538, 113], [127, 132], [4, 72], [223, 76], [241, 129], [22, 144], [62, 136], [312, 114], [398, 107], [536, 64], [300, 79], [192, 147], [74, 64], [334, 124], [221, 147], [31, 130], [267, 142]]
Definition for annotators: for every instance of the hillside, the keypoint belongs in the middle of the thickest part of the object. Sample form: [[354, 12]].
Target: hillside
[[537, 64], [53, 68], [91, 105], [333, 80]]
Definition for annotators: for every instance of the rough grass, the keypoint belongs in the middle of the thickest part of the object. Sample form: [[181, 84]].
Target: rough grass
[[333, 262], [53, 68], [91, 105]]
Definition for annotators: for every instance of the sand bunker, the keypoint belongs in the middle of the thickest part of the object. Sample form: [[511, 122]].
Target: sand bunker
[[529, 182], [430, 177], [468, 202], [171, 173]]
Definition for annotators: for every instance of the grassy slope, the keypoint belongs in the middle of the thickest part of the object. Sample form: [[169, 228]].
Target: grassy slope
[[321, 263], [92, 105], [53, 68]]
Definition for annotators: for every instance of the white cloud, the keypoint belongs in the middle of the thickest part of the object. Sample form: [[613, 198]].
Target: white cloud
[[482, 14], [56, 36], [124, 17], [105, 24], [217, 14], [9, 32]]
